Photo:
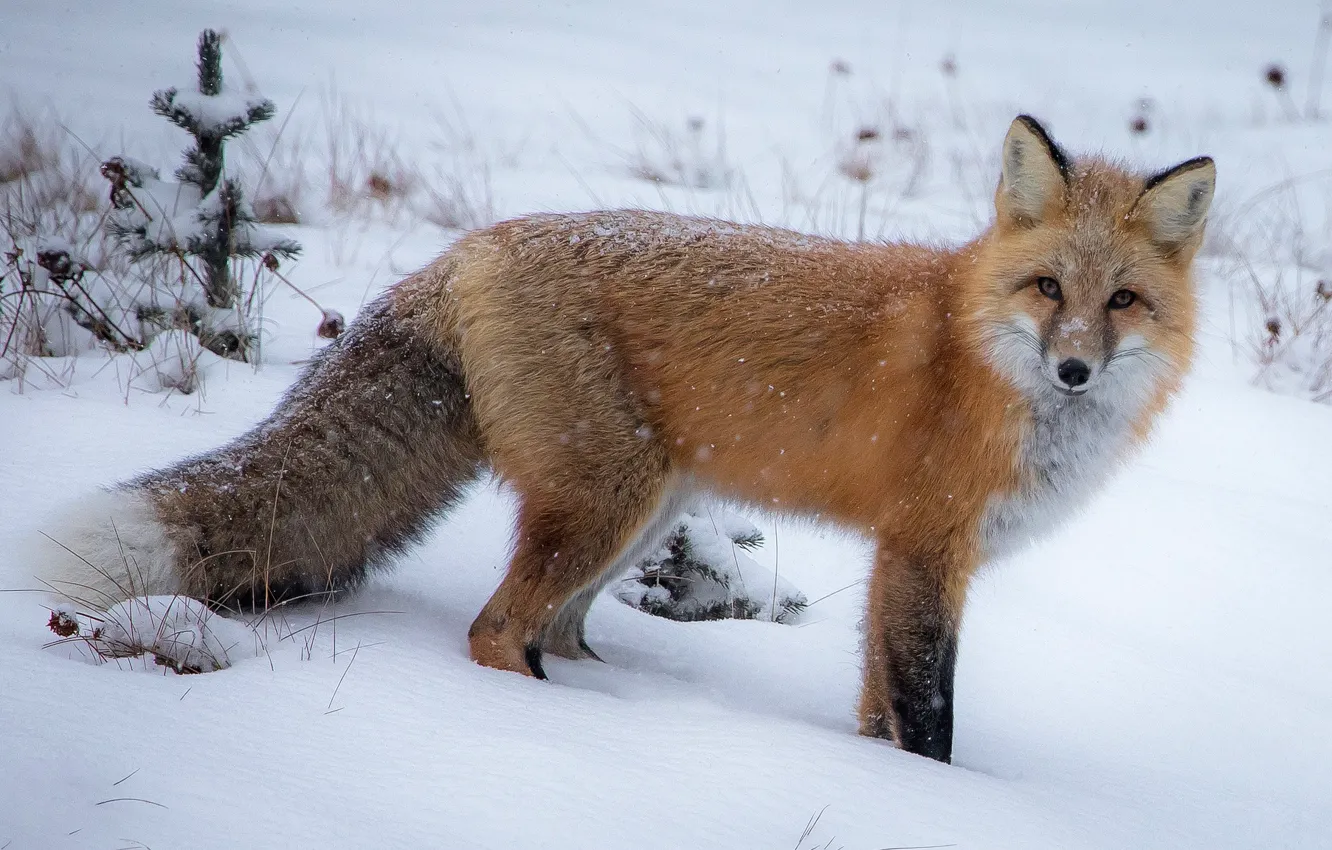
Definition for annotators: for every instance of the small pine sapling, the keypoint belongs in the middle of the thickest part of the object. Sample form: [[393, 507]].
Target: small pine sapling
[[203, 221], [701, 572]]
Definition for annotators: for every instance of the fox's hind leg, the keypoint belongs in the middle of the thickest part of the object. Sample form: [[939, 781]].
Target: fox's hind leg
[[565, 635], [565, 428], [569, 537]]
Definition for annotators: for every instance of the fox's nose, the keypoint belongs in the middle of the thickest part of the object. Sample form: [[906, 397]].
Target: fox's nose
[[1073, 372]]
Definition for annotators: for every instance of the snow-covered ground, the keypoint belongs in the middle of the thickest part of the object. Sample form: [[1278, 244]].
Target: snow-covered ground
[[1156, 675]]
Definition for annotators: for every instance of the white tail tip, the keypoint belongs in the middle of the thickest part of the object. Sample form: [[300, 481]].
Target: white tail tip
[[102, 548]]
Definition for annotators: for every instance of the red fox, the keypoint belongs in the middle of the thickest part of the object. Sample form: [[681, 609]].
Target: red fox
[[950, 403]]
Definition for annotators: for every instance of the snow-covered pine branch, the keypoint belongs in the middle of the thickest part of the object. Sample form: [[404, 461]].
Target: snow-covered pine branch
[[219, 115], [156, 217], [150, 216], [226, 219]]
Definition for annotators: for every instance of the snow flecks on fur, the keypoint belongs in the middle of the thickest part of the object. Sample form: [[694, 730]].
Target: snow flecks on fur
[[1147, 680], [640, 230], [1072, 326]]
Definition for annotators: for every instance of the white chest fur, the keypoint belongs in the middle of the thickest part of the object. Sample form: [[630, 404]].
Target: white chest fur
[[1070, 449]]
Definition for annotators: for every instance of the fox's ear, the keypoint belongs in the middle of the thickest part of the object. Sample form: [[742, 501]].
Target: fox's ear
[[1034, 176], [1174, 203]]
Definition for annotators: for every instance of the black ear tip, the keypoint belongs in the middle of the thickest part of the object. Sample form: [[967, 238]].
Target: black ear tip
[[1056, 153], [1184, 167], [1036, 128], [1207, 162], [1031, 124]]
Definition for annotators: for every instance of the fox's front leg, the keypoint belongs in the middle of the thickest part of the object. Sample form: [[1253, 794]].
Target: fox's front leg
[[915, 610]]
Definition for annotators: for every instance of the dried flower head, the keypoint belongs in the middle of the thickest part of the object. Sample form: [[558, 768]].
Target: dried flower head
[[379, 186], [60, 265], [1275, 76], [857, 167], [840, 68], [63, 623], [331, 325], [1273, 326], [949, 66], [1138, 125]]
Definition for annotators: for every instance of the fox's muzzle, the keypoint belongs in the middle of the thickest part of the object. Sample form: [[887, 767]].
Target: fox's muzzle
[[1073, 374]]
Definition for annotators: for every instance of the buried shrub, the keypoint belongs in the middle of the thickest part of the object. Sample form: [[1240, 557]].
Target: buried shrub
[[701, 572], [175, 632], [1275, 255]]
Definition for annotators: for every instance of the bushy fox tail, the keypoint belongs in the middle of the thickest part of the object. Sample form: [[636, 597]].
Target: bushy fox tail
[[375, 440]]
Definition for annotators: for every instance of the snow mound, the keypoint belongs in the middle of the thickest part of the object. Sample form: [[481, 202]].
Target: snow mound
[[174, 360], [179, 632]]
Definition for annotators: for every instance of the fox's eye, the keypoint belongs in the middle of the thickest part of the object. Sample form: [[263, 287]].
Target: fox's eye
[[1122, 298], [1049, 287]]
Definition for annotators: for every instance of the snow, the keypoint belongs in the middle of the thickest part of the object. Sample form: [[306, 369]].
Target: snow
[[178, 632], [173, 360], [1152, 676]]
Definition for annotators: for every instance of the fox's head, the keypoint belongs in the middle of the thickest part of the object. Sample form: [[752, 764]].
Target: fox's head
[[1085, 284]]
